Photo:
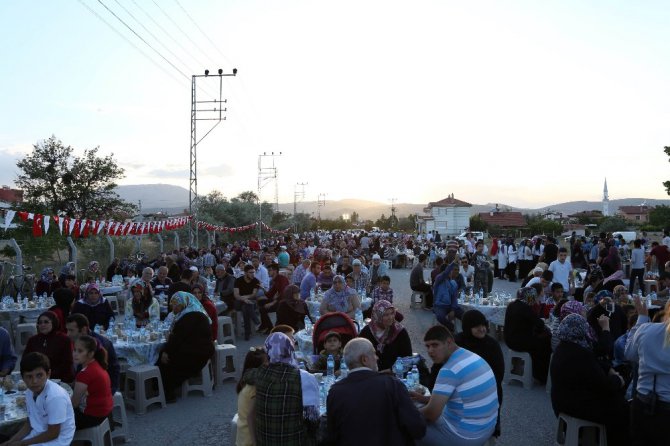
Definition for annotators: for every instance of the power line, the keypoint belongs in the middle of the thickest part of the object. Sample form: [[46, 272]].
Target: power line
[[92, 11], [143, 40], [181, 30], [202, 32]]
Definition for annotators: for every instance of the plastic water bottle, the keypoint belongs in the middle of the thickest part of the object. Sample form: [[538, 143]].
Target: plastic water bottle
[[323, 395], [415, 375], [359, 318], [398, 369], [649, 299], [311, 294], [308, 325], [344, 370], [480, 296], [330, 364], [411, 383]]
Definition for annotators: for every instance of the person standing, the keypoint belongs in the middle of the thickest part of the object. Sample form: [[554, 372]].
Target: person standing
[[482, 268], [636, 267], [387, 405], [562, 270], [245, 291], [418, 283]]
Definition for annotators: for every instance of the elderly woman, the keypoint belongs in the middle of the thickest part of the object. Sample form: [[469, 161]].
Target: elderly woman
[[189, 346], [525, 332], [340, 298], [142, 304], [475, 338], [388, 336], [93, 272], [50, 341], [201, 294], [292, 310], [286, 393], [581, 387], [66, 270], [47, 283], [95, 307]]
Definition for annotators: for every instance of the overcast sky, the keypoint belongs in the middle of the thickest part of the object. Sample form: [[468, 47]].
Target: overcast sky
[[519, 102]]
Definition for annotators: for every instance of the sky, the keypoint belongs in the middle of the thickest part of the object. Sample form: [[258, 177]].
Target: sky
[[519, 102]]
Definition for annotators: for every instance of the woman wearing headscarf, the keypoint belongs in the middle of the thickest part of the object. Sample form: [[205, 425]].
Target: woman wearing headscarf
[[64, 299], [475, 338], [66, 270], [93, 272], [291, 310], [47, 283], [612, 262], [51, 342], [95, 307], [608, 320], [189, 346], [287, 399], [340, 298], [581, 387], [201, 294], [142, 305], [525, 332], [388, 336]]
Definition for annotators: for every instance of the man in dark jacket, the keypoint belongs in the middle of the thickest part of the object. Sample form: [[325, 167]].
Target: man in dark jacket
[[387, 416]]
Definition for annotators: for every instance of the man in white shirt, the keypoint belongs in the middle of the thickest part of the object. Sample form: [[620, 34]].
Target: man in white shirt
[[50, 414], [562, 270], [261, 274]]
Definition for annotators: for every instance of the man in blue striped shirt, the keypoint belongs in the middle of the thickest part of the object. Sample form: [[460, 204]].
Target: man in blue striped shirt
[[463, 408]]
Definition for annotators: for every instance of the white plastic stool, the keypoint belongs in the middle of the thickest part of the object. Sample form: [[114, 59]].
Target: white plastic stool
[[233, 429], [568, 432], [22, 334], [239, 323], [388, 264], [100, 435], [525, 375], [203, 383], [226, 362], [226, 333], [413, 303], [119, 418], [137, 395]]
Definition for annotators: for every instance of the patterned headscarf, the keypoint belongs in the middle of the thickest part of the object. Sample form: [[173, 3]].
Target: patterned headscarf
[[384, 335], [601, 295], [46, 275], [571, 307], [94, 266], [338, 300], [190, 304], [527, 295], [68, 268], [575, 329], [280, 349]]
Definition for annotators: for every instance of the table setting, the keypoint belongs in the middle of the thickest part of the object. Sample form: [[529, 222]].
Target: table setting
[[138, 346], [493, 307]]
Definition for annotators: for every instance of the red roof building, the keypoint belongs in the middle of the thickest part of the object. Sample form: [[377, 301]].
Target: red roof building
[[9, 195], [503, 219], [635, 213]]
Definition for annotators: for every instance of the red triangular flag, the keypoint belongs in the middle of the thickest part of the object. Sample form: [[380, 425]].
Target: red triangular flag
[[37, 225]]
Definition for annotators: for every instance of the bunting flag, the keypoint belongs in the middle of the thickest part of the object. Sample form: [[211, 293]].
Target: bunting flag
[[46, 224], [9, 216], [37, 225]]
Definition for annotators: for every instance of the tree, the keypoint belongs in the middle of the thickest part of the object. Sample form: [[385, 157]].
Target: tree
[[477, 224], [539, 225], [56, 181], [660, 216], [355, 217], [666, 149], [612, 224]]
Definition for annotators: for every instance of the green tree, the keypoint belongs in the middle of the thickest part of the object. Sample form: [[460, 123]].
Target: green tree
[[477, 224], [56, 181], [354, 217], [614, 223], [538, 225], [660, 216], [666, 149]]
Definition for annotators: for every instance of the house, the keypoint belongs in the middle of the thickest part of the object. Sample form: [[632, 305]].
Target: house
[[503, 220], [449, 217], [552, 215], [9, 196], [638, 214]]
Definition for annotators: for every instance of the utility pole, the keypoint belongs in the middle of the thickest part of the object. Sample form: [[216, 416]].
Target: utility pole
[[320, 202], [393, 209], [266, 174], [202, 111], [297, 195]]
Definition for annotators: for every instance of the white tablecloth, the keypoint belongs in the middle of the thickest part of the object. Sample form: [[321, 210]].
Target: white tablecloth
[[138, 353], [108, 290], [493, 313], [304, 341], [315, 306]]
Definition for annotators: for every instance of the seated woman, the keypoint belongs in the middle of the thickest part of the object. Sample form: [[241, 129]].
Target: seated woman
[[142, 304], [51, 342], [581, 387], [92, 385], [617, 321], [189, 346], [48, 282], [475, 338], [64, 298], [246, 398], [93, 273], [388, 336], [291, 310], [95, 307], [340, 298], [525, 332], [199, 292], [325, 278], [66, 270]]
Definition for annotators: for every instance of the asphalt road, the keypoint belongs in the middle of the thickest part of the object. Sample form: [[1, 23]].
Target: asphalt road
[[527, 418]]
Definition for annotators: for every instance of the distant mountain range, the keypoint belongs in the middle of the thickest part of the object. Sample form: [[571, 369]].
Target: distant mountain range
[[174, 199]]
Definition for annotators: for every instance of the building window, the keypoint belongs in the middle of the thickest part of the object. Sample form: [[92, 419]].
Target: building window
[[637, 217]]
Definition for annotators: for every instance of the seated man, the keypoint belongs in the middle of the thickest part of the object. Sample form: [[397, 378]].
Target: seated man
[[7, 354], [50, 414], [463, 407]]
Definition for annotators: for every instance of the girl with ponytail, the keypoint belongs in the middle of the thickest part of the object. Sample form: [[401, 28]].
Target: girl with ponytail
[[92, 397]]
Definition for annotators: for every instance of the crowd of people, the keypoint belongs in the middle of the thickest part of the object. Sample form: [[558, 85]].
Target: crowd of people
[[608, 362]]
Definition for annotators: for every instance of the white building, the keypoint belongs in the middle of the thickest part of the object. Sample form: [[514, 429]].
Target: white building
[[606, 201], [448, 217]]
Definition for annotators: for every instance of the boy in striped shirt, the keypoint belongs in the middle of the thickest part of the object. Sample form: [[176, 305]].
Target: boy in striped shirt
[[463, 407]]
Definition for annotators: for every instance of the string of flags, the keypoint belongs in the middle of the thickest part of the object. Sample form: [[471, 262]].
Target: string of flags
[[81, 227]]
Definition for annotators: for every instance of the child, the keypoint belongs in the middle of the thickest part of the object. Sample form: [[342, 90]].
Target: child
[[331, 346], [91, 384], [383, 291], [246, 396], [50, 414]]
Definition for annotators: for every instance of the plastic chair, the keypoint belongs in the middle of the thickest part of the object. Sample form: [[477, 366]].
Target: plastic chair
[[226, 333], [519, 368], [100, 435], [22, 334], [203, 383], [225, 363], [568, 432], [137, 394], [119, 418]]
